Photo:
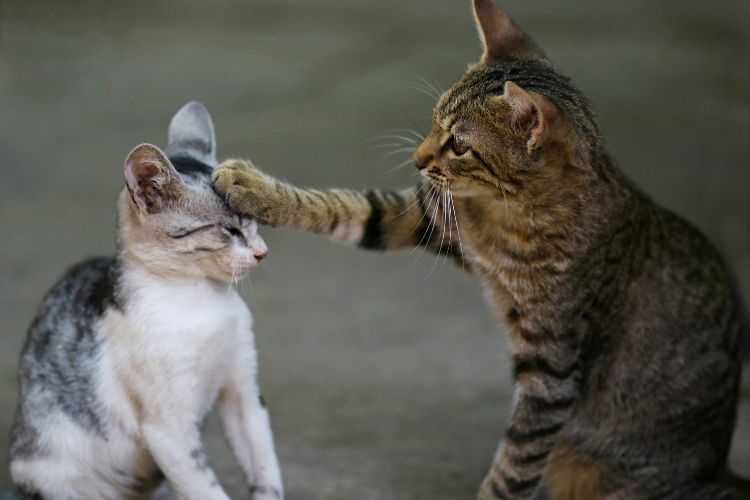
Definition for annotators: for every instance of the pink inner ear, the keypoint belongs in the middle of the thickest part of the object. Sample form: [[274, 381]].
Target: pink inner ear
[[538, 129], [525, 113], [139, 172], [531, 115], [142, 178], [149, 176]]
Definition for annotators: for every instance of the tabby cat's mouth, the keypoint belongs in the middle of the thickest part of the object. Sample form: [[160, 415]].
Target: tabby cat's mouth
[[437, 178]]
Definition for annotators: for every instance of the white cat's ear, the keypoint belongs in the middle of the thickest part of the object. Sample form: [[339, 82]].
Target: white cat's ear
[[191, 134], [151, 179], [532, 115], [501, 36]]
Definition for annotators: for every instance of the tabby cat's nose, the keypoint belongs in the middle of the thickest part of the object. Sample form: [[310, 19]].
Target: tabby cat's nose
[[423, 156]]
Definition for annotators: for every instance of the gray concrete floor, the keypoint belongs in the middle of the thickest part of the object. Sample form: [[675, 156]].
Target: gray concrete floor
[[385, 381]]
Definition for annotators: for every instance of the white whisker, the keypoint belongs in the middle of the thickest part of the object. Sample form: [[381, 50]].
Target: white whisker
[[437, 86], [427, 234], [435, 92], [458, 231], [233, 279], [400, 165], [428, 92], [394, 141], [419, 137], [409, 140], [447, 210], [396, 151], [431, 194], [442, 235], [410, 206], [387, 145]]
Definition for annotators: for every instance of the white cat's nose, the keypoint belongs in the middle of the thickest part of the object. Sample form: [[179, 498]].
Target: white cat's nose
[[259, 249]]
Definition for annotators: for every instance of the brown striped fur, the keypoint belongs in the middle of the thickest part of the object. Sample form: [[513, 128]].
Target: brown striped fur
[[624, 333], [571, 476]]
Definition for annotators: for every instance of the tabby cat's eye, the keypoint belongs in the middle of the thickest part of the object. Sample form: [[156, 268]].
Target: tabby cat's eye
[[458, 147]]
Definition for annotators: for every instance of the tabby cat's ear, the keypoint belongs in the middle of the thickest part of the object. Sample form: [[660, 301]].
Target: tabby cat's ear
[[191, 134], [501, 37], [531, 115], [150, 177]]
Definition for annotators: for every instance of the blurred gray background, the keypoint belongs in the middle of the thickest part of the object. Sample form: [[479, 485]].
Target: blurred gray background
[[384, 381]]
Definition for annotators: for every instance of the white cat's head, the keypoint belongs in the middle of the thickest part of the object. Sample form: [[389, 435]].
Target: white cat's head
[[171, 220]]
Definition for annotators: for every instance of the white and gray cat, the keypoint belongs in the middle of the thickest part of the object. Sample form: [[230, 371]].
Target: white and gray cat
[[128, 354]]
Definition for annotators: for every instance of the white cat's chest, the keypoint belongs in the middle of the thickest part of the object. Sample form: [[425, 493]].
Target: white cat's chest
[[179, 338], [187, 311]]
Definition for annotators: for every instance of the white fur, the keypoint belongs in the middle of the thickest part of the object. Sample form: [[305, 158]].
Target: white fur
[[178, 347]]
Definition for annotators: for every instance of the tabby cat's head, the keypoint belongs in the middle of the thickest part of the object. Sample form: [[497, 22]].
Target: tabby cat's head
[[512, 123], [171, 220]]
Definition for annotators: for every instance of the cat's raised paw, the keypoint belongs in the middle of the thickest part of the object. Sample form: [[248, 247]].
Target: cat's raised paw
[[233, 172], [245, 188]]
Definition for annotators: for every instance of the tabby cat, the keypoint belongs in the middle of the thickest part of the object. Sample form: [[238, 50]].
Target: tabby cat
[[624, 333], [127, 354]]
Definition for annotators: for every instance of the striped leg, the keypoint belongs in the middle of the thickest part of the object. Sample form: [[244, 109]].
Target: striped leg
[[371, 219], [547, 387]]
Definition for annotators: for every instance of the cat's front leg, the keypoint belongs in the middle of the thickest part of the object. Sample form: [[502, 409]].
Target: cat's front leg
[[547, 389], [179, 453], [248, 429], [371, 219], [341, 214]]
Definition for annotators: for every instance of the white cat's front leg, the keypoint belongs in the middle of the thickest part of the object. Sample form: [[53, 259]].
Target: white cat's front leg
[[248, 429], [179, 453]]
